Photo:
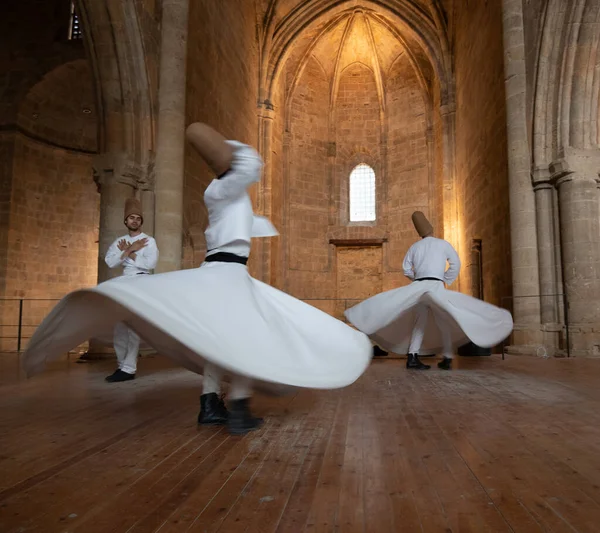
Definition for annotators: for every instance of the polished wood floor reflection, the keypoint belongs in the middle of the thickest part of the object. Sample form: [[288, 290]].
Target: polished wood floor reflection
[[494, 446]]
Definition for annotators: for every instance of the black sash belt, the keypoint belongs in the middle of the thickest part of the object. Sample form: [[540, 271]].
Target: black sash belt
[[429, 279], [226, 257]]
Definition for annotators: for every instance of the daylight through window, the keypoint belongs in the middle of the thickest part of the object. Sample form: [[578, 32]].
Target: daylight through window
[[362, 194], [75, 24]]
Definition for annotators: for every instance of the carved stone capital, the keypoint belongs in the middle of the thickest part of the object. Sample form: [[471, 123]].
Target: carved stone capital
[[265, 106], [542, 179], [117, 167], [575, 164]]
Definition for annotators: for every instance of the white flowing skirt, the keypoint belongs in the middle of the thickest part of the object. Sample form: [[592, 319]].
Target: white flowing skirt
[[389, 318], [216, 313]]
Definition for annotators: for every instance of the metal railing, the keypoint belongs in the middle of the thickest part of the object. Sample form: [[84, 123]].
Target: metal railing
[[19, 318]]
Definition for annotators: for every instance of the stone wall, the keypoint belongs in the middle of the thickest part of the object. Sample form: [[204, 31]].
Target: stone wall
[[481, 155], [408, 165], [49, 204], [533, 19], [222, 90], [309, 182], [319, 149], [53, 238]]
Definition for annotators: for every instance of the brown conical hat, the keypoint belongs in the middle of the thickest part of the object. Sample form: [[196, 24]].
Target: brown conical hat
[[422, 225], [133, 207], [211, 145]]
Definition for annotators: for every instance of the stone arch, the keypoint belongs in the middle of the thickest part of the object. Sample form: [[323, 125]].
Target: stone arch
[[566, 113], [125, 94], [423, 35], [581, 76], [61, 108], [125, 101], [317, 136], [406, 20], [565, 164]]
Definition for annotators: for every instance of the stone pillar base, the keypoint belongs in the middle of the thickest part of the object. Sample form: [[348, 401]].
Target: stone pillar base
[[526, 339], [584, 340]]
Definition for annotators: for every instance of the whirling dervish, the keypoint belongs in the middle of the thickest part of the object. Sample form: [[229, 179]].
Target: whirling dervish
[[398, 320], [216, 317]]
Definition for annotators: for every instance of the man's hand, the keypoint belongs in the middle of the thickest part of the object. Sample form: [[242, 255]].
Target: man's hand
[[137, 245], [123, 245]]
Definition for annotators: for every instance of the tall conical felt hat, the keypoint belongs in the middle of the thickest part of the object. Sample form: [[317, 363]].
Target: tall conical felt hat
[[211, 145], [422, 225], [133, 207]]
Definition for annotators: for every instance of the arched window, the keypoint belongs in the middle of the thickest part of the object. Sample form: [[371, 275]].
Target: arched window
[[362, 194], [74, 24]]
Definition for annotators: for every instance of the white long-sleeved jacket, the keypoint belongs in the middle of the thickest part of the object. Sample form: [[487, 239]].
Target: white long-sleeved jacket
[[427, 258]]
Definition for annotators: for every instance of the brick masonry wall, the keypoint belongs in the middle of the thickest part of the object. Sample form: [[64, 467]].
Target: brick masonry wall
[[53, 235], [49, 206], [325, 146], [358, 135], [309, 183], [7, 147], [408, 165], [481, 157], [222, 90], [54, 216], [54, 222]]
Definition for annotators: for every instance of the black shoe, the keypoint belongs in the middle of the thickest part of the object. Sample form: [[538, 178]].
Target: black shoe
[[212, 410], [445, 364], [378, 352], [119, 376], [240, 420], [413, 362]]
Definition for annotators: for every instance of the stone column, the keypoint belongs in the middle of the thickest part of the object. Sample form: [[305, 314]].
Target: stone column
[[558, 259], [115, 187], [451, 233], [524, 250], [148, 205], [286, 156], [580, 236], [261, 248], [598, 187], [550, 286], [544, 199], [432, 203], [170, 144]]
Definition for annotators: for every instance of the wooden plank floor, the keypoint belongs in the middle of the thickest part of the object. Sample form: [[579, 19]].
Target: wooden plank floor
[[495, 446]]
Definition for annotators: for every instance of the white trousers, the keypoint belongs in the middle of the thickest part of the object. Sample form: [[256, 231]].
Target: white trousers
[[239, 388], [127, 345], [418, 332]]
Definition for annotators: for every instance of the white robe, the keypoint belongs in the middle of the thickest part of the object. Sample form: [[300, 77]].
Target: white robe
[[217, 312], [145, 259], [389, 317]]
